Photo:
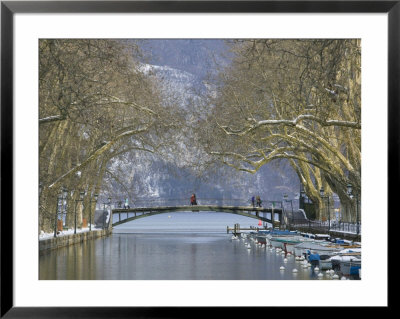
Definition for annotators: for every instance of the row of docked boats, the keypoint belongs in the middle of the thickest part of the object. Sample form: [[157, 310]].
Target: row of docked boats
[[320, 250]]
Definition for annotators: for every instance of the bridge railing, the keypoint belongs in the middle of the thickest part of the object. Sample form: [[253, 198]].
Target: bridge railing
[[324, 226], [151, 202]]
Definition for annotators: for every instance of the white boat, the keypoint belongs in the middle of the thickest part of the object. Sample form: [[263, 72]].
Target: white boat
[[349, 265], [288, 242], [325, 262], [264, 237], [332, 260], [348, 260], [314, 247]]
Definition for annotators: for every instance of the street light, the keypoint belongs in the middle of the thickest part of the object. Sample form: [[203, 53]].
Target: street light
[[322, 193], [81, 196], [56, 217], [350, 193], [90, 210], [64, 194], [302, 199], [104, 208], [64, 203], [285, 196], [109, 204]]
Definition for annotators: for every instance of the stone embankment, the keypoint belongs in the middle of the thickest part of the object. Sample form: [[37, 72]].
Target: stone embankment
[[63, 241]]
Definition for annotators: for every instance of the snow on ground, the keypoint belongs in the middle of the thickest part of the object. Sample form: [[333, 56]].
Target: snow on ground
[[44, 235]]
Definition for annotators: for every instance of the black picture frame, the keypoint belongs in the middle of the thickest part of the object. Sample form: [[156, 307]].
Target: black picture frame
[[9, 8]]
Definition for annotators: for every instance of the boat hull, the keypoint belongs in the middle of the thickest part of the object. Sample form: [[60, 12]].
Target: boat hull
[[350, 267], [262, 239], [325, 264], [314, 248]]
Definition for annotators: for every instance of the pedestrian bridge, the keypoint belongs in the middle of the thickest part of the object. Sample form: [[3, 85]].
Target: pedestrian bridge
[[269, 215]]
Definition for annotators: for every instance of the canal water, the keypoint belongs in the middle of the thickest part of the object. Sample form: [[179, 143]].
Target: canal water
[[175, 246]]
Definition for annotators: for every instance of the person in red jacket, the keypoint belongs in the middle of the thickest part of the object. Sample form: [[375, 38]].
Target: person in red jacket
[[193, 200]]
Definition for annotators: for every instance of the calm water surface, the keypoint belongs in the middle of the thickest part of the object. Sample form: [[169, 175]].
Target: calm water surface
[[187, 246]]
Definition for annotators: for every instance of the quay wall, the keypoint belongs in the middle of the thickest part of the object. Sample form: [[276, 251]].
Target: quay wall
[[332, 233], [63, 241], [343, 235]]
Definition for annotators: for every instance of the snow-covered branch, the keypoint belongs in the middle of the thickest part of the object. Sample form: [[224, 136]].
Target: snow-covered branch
[[293, 123], [53, 118], [105, 147], [118, 100]]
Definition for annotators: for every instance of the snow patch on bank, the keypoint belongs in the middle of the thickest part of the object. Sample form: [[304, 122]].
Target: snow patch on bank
[[44, 236]]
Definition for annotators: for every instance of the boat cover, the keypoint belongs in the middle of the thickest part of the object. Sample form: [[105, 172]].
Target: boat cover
[[312, 257]]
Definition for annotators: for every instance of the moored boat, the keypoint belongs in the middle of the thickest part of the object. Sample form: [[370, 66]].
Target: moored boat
[[350, 266], [325, 262], [262, 239], [264, 236], [348, 261], [286, 242], [314, 247]]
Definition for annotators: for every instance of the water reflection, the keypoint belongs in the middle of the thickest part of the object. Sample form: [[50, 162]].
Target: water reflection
[[180, 252]]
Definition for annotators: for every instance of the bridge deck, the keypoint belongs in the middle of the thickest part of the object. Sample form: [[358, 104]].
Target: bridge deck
[[248, 211], [184, 208]]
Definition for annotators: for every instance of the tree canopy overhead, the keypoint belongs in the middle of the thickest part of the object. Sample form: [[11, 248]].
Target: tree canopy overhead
[[298, 100], [291, 101]]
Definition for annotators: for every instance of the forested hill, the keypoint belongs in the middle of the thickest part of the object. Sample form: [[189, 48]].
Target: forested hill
[[198, 57]]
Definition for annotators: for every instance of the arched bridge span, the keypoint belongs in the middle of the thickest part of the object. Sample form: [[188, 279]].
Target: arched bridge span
[[264, 214]]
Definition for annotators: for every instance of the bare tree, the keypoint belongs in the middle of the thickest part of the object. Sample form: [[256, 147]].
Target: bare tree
[[295, 100], [95, 103]]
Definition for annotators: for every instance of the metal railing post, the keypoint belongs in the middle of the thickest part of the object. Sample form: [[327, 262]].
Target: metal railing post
[[358, 229], [76, 202], [329, 216], [90, 214], [55, 222]]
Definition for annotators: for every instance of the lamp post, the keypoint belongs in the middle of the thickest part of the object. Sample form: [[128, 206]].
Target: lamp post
[[285, 196], [322, 193], [350, 193], [90, 210], [272, 213], [301, 199], [64, 194], [81, 195], [64, 203], [109, 205], [56, 217]]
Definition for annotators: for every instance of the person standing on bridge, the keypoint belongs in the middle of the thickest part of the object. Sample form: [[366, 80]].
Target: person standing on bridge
[[253, 201], [193, 200], [258, 201], [126, 205]]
